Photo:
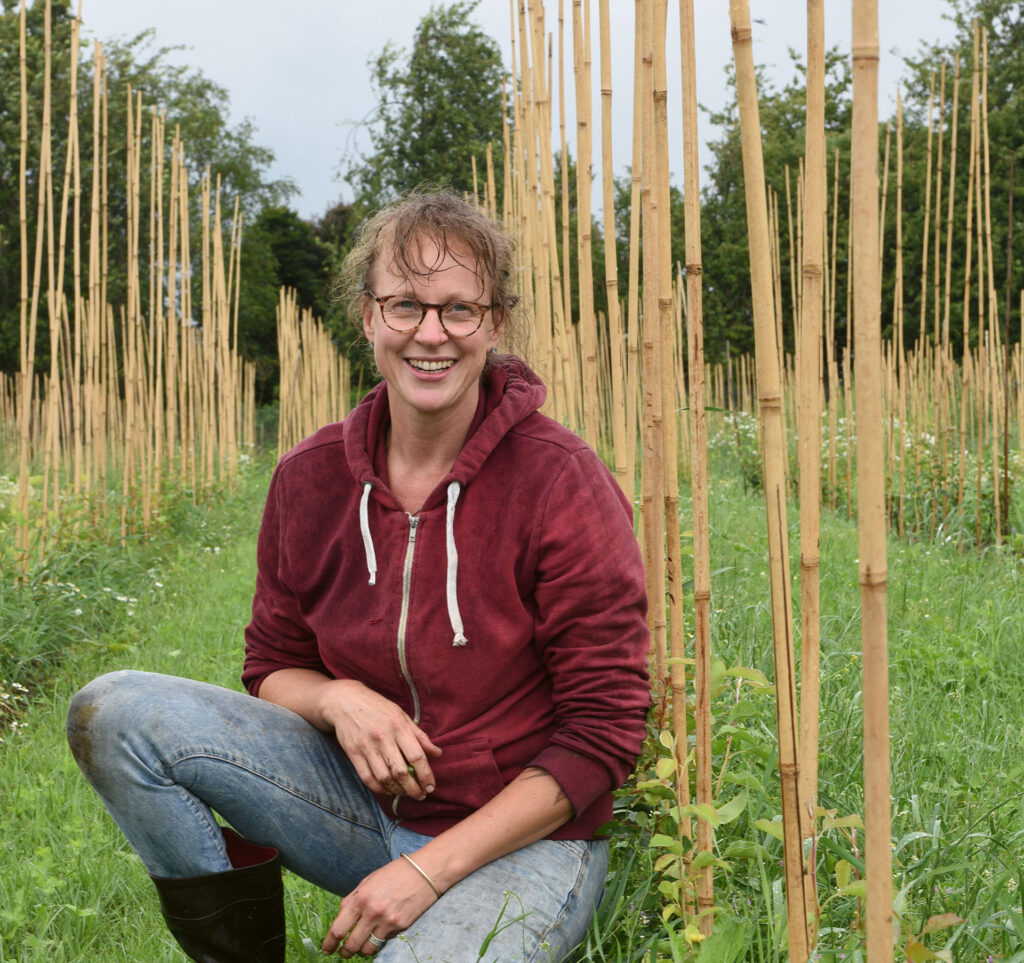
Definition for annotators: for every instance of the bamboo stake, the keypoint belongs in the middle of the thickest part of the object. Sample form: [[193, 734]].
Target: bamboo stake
[[900, 359], [617, 355], [993, 311], [922, 326], [769, 391], [936, 268], [653, 436], [809, 438], [870, 482], [587, 321], [27, 328], [633, 286], [699, 480]]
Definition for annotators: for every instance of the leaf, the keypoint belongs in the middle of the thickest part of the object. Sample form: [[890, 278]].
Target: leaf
[[665, 767], [918, 953], [844, 822], [940, 922], [844, 873], [666, 860], [733, 809], [858, 888], [668, 889], [746, 779], [668, 740], [751, 675], [707, 812], [661, 841], [702, 859], [693, 934], [742, 849], [770, 826]]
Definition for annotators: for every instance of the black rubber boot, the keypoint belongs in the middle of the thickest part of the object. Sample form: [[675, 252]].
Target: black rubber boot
[[232, 917]]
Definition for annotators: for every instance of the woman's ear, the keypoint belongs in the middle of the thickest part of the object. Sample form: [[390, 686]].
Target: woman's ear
[[496, 327], [366, 310]]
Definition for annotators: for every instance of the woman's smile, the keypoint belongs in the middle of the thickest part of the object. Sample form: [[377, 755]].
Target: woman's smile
[[430, 373]]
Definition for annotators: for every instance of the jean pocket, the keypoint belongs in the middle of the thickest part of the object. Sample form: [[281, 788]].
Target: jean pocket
[[466, 777]]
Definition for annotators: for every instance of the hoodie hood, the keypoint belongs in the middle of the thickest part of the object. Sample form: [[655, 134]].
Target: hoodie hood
[[510, 392]]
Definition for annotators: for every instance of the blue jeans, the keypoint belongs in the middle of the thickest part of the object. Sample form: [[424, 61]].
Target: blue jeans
[[163, 752]]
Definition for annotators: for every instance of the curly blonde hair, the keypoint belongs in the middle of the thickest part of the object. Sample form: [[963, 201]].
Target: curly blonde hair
[[396, 233]]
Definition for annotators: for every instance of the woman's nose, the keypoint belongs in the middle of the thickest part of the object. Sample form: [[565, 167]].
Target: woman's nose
[[431, 331]]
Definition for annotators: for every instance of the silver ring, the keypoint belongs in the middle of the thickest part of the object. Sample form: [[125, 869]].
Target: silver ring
[[376, 941]]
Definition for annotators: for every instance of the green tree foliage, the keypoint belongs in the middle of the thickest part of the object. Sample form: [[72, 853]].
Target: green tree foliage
[[191, 102], [279, 249], [728, 308], [439, 106], [1003, 20]]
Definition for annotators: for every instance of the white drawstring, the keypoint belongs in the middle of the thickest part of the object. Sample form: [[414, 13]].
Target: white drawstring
[[451, 581], [364, 528]]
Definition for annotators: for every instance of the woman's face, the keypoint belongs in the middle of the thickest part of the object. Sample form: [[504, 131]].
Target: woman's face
[[428, 372]]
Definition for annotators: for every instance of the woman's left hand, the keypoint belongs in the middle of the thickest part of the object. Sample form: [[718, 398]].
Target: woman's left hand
[[386, 902]]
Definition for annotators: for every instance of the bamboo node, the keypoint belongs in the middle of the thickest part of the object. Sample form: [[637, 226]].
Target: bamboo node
[[874, 578], [812, 271], [865, 52], [696, 269], [742, 35], [702, 595]]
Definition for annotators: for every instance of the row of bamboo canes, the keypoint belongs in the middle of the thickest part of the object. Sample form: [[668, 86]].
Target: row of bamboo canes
[[156, 390], [914, 416]]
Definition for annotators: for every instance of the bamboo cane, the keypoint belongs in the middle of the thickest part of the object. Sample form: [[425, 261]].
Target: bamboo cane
[[870, 483], [993, 311], [699, 480], [769, 391], [809, 437], [653, 437], [922, 326], [587, 321], [27, 331], [633, 363], [936, 267], [617, 355], [898, 411]]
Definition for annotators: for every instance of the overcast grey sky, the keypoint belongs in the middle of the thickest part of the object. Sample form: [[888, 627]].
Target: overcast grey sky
[[298, 69]]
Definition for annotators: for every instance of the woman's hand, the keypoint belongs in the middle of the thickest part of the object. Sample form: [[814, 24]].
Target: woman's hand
[[386, 902], [389, 751]]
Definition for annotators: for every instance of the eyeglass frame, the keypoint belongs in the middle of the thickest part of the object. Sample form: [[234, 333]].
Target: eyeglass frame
[[484, 308]]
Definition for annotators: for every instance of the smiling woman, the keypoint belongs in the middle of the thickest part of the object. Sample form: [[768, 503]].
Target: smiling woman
[[448, 642]]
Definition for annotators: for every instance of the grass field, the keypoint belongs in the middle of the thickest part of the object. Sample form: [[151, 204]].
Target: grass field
[[72, 890]]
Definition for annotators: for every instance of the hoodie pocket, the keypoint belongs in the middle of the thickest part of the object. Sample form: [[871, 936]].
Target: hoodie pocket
[[467, 778]]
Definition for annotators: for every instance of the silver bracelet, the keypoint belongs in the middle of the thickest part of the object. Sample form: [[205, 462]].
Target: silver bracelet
[[430, 882]]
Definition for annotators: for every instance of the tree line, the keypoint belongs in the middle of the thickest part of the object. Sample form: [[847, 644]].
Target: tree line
[[440, 103]]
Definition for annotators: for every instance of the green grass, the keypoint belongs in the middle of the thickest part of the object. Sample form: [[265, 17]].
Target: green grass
[[72, 890]]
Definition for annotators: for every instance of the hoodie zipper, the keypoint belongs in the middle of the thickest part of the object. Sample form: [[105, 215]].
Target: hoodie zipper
[[403, 618], [403, 622]]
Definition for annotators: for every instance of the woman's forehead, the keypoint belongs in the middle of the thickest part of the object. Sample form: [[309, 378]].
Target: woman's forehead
[[424, 258]]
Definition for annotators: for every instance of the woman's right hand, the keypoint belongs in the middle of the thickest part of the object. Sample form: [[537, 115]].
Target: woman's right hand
[[389, 751]]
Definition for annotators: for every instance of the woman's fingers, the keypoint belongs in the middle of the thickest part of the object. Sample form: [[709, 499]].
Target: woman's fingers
[[386, 902], [417, 778]]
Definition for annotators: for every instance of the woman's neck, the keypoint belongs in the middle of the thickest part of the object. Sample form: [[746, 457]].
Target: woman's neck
[[422, 449]]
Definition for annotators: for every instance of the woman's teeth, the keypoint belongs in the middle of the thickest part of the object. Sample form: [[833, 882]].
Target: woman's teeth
[[431, 365]]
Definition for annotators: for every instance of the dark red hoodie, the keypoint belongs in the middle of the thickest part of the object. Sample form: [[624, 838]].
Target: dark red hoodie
[[507, 618]]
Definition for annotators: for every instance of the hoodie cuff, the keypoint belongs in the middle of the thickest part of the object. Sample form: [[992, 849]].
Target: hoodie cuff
[[583, 780]]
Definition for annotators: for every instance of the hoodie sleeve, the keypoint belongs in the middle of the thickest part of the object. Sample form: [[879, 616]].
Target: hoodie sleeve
[[278, 636], [591, 630]]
